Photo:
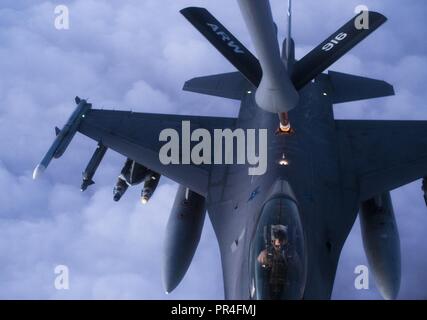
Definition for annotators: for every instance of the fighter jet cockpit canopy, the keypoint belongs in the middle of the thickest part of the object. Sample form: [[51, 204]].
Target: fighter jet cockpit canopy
[[278, 264]]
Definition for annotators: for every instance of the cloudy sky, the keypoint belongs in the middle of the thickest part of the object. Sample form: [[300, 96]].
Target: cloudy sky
[[136, 54]]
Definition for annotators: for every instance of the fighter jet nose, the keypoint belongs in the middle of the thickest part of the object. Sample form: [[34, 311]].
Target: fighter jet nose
[[38, 171]]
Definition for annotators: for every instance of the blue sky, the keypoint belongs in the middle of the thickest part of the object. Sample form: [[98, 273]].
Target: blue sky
[[135, 54]]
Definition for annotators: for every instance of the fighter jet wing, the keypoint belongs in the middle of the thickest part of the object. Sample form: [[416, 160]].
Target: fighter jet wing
[[136, 136], [384, 155]]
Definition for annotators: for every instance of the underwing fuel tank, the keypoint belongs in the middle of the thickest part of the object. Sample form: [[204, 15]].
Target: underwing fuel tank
[[134, 173], [131, 174], [382, 244], [150, 185], [183, 232], [119, 189], [64, 136]]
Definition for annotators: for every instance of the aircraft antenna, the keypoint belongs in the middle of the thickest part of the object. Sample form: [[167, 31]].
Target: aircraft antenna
[[289, 39]]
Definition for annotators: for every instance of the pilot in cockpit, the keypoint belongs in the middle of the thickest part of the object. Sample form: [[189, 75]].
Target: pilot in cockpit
[[280, 263], [274, 260], [279, 239]]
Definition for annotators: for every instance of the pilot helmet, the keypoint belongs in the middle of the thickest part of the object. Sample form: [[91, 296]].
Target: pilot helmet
[[279, 232]]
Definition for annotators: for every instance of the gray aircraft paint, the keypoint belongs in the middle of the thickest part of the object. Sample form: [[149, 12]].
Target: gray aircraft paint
[[334, 165]]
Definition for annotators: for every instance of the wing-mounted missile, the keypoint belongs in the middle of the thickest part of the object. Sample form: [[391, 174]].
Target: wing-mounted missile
[[119, 189], [64, 136], [382, 244], [183, 232], [93, 165], [150, 184], [133, 174]]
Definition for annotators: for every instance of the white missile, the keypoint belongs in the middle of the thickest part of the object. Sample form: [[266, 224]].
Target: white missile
[[38, 171], [63, 137]]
